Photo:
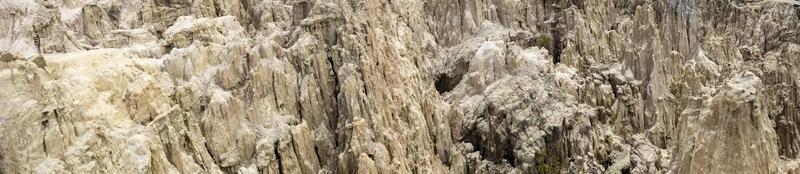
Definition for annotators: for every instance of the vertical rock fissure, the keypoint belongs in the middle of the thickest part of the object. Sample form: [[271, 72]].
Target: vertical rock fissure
[[278, 157], [336, 88], [558, 44]]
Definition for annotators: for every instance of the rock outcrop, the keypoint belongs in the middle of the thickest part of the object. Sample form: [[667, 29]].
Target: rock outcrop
[[402, 86]]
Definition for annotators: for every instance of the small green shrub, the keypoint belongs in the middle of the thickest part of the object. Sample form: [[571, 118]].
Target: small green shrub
[[544, 41]]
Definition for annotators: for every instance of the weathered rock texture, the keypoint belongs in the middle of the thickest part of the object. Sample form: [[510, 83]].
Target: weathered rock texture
[[399, 86]]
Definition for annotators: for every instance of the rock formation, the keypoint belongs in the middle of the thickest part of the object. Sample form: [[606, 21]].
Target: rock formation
[[399, 86]]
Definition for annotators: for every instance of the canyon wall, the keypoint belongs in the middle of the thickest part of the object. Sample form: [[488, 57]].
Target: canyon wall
[[399, 86]]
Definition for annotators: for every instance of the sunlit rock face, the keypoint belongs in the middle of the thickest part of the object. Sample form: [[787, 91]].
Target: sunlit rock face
[[399, 86]]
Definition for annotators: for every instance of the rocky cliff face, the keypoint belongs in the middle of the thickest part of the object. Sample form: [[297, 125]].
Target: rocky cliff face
[[399, 86]]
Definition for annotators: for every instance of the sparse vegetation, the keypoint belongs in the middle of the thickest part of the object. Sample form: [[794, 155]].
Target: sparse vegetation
[[544, 41]]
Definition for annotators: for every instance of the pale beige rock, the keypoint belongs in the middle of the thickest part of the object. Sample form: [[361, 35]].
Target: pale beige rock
[[401, 86]]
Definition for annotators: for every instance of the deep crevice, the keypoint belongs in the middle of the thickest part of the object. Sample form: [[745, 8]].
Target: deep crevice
[[495, 145], [444, 83], [558, 44], [278, 157], [333, 120]]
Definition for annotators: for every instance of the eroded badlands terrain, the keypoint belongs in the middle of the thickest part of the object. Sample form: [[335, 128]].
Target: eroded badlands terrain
[[399, 86]]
